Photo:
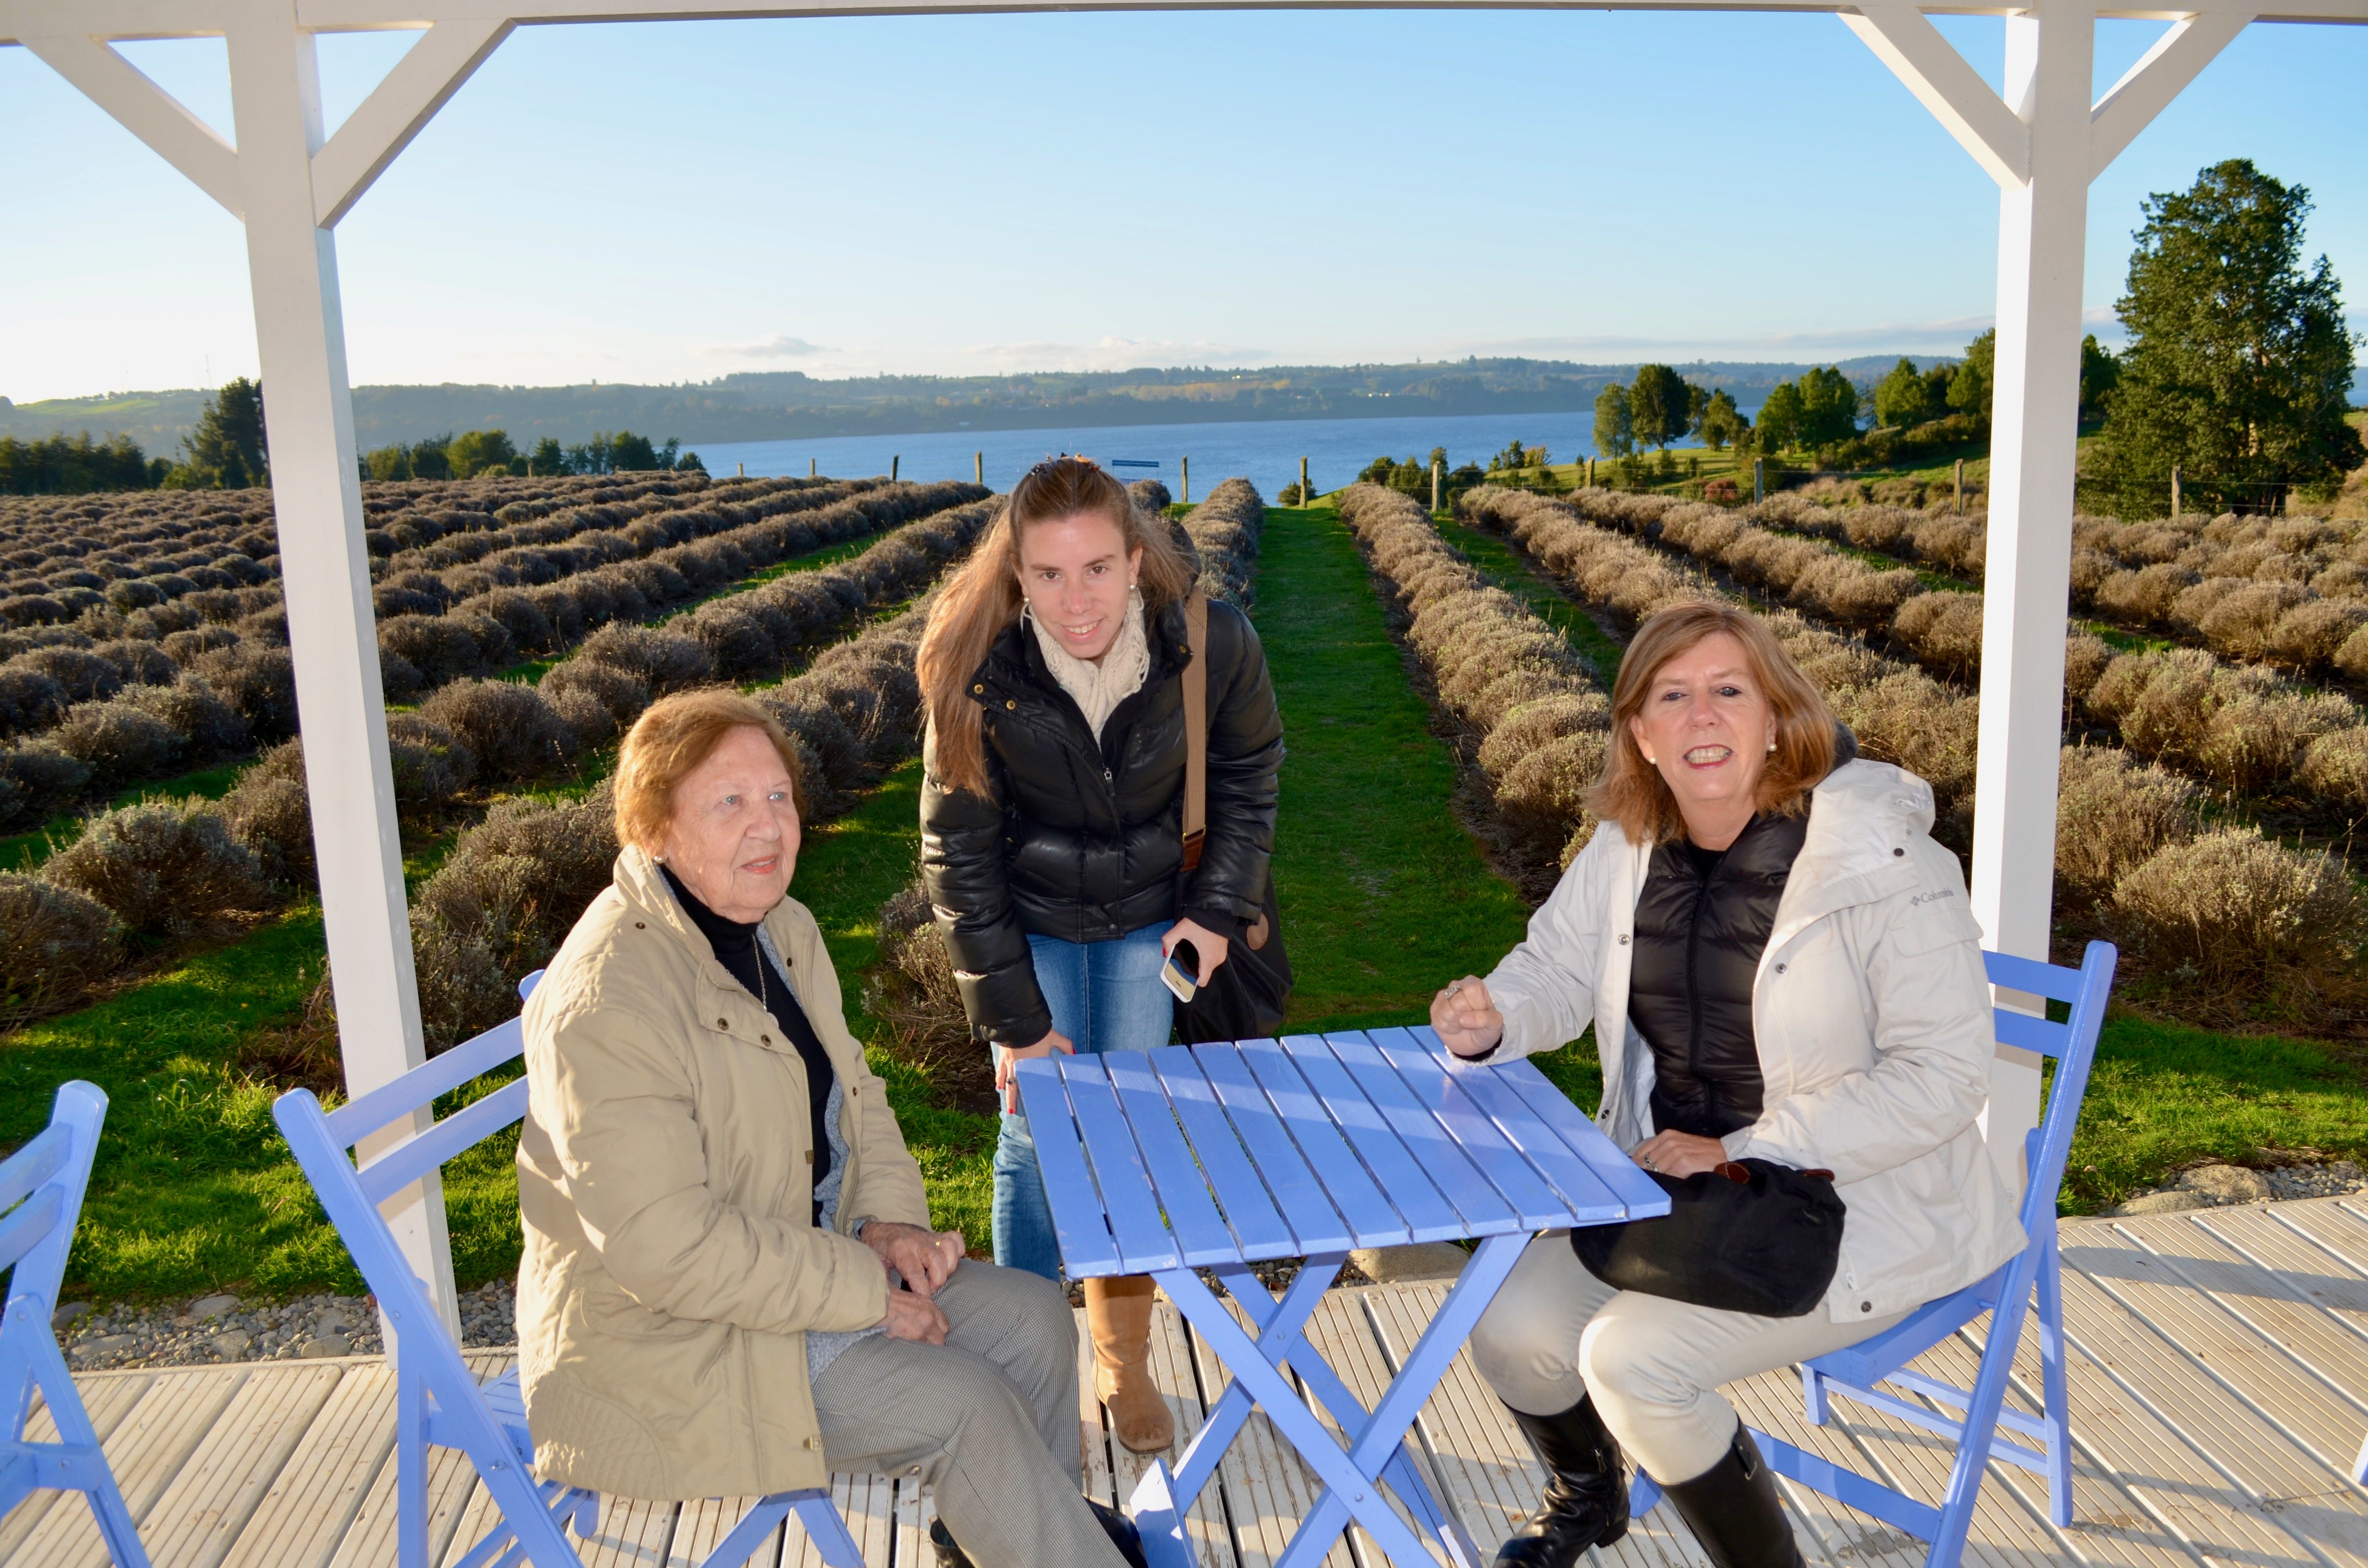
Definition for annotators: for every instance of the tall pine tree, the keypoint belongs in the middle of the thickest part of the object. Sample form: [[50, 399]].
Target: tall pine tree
[[2238, 369]]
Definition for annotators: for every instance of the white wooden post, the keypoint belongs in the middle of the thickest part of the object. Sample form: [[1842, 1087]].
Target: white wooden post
[[332, 629], [2026, 579]]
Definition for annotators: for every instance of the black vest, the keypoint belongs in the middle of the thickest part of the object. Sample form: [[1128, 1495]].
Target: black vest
[[1700, 927]]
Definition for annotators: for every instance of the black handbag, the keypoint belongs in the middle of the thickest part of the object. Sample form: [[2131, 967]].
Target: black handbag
[[1245, 998], [1750, 1236]]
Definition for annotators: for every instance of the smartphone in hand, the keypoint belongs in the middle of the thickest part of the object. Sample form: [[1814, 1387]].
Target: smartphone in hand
[[1181, 972]]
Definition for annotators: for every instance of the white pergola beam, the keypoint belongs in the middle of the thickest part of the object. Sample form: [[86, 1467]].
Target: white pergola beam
[[398, 109], [2160, 75], [1931, 68], [147, 110]]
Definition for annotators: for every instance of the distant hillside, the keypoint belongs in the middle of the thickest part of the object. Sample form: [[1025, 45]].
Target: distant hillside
[[778, 405]]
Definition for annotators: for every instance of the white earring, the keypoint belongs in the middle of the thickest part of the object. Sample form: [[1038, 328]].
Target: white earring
[[1652, 761], [1771, 747]]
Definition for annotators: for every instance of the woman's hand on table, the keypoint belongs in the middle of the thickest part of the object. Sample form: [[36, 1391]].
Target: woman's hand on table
[[916, 1318], [1007, 1057], [1680, 1155], [924, 1259], [1210, 947], [1465, 1018]]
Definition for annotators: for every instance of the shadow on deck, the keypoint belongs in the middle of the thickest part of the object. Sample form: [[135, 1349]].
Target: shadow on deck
[[2219, 1395]]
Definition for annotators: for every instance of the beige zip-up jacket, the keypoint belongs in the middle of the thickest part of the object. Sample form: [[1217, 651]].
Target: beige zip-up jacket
[[672, 1266], [1872, 1015]]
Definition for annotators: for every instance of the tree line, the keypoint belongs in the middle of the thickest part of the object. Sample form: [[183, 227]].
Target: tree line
[[228, 450], [490, 454]]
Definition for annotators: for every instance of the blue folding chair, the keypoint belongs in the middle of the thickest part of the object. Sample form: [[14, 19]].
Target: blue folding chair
[[439, 1400], [40, 1199], [2005, 1295]]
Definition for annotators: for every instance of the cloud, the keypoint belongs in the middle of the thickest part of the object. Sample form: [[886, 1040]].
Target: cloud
[[1108, 354], [1946, 335], [775, 347]]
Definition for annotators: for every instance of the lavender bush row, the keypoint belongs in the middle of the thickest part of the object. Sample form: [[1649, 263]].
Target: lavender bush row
[[233, 693], [2236, 726], [1541, 719]]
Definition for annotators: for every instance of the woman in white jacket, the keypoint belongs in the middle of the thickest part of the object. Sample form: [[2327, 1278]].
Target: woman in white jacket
[[1778, 963]]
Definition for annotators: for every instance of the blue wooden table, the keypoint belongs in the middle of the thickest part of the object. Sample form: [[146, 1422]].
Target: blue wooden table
[[1217, 1157]]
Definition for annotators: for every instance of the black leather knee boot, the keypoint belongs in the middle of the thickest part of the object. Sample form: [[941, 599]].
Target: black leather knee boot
[[1586, 1500], [1734, 1511]]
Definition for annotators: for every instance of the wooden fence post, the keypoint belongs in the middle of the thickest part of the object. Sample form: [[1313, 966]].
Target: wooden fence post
[[1302, 481], [1437, 481], [1960, 484], [978, 466], [1188, 481], [2174, 490], [810, 467], [1758, 480], [893, 459]]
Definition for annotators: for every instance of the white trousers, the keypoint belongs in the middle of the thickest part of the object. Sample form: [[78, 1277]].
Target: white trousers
[[1557, 1333]]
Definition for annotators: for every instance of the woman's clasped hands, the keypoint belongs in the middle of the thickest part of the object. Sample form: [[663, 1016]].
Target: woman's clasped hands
[[924, 1260]]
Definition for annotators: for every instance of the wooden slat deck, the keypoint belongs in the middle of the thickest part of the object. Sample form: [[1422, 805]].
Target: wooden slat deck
[[2219, 1390]]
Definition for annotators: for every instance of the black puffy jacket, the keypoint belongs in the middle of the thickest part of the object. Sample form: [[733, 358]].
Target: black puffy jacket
[[1084, 842]]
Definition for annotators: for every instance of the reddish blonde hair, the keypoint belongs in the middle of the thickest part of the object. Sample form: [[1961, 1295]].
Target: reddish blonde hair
[[984, 598], [1632, 791], [673, 737]]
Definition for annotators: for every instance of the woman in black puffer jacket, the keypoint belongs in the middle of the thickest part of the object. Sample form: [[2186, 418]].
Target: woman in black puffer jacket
[[1051, 822]]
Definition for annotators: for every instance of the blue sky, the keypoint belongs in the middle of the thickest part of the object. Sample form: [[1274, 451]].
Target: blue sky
[[966, 194]]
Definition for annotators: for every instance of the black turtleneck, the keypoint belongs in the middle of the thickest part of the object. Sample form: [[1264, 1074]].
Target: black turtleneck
[[737, 949]]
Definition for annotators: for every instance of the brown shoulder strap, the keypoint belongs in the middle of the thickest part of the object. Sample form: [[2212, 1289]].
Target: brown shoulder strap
[[1196, 728]]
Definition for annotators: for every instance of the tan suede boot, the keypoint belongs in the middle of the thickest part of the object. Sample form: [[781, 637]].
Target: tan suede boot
[[1118, 1315]]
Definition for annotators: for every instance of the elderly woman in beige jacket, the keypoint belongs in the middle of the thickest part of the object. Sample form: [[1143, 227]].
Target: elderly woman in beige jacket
[[1778, 963], [731, 1286]]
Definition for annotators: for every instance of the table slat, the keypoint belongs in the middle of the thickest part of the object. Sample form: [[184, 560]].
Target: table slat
[[1306, 1208], [1484, 1208], [1183, 1189], [1611, 1163], [1591, 1200], [1428, 1216], [1351, 1187], [1249, 1208], [1086, 1248], [1503, 1164], [1143, 1239]]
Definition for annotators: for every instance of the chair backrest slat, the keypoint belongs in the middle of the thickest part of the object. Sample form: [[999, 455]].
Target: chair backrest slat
[[2051, 980], [423, 1085], [29, 1224], [382, 1179], [34, 1164], [2030, 1033]]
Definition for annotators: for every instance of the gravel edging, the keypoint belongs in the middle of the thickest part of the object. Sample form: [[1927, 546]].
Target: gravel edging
[[2222, 1187], [219, 1329]]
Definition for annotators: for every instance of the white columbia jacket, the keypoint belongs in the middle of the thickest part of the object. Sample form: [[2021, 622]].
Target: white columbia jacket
[[1873, 1023]]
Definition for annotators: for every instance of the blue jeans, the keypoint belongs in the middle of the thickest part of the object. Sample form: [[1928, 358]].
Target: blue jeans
[[1104, 996]]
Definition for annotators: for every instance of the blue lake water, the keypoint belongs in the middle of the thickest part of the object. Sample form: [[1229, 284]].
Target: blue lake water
[[1266, 452]]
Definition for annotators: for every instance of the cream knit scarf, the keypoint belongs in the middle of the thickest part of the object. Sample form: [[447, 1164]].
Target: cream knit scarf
[[1100, 687]]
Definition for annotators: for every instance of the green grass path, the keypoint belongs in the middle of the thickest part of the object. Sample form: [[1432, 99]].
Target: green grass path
[[1384, 897]]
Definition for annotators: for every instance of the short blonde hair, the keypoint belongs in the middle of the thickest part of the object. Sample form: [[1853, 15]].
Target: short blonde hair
[[1633, 792], [673, 737]]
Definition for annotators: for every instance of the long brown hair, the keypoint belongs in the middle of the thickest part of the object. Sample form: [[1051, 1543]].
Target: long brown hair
[[984, 598], [1633, 792]]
